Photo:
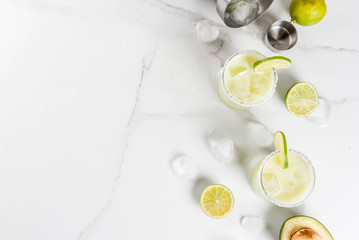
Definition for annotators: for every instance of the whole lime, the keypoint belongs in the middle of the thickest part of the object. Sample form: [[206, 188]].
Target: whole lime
[[307, 12]]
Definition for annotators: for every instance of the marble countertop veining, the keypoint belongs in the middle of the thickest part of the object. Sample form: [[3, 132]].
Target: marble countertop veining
[[97, 97]]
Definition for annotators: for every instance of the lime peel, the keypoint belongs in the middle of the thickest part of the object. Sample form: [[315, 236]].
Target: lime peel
[[280, 144], [267, 64], [307, 13]]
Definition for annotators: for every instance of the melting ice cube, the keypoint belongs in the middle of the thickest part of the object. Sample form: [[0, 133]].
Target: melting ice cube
[[206, 32], [222, 148], [183, 166], [252, 224], [244, 11], [258, 84], [320, 116], [260, 135], [271, 184], [300, 176]]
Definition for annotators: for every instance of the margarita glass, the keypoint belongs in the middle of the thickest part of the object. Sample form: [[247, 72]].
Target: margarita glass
[[239, 87], [284, 187]]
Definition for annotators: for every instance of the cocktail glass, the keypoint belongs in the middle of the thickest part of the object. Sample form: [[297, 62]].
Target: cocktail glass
[[239, 87], [283, 187]]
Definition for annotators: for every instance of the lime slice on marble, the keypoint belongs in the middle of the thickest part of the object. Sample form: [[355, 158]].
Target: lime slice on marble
[[217, 201], [280, 144], [302, 99], [267, 64]]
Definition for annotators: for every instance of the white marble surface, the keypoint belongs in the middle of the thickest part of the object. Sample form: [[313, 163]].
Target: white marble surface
[[98, 96]]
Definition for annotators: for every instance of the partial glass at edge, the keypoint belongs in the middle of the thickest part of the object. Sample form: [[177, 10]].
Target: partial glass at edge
[[256, 180], [230, 100]]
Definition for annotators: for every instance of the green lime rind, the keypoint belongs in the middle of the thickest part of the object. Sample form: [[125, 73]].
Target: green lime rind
[[302, 99], [280, 144], [267, 64], [307, 13]]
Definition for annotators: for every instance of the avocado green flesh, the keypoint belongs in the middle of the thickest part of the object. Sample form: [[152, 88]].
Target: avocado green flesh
[[294, 224]]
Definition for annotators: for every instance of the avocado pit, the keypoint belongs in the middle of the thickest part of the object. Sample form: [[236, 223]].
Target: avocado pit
[[304, 228], [305, 234]]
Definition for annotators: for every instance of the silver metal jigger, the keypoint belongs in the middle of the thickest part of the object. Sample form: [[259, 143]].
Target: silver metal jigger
[[281, 36], [226, 7]]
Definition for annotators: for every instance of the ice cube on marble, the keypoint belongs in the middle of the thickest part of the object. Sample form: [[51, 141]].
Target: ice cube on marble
[[320, 116], [183, 166], [222, 148], [206, 32], [260, 135], [253, 224], [244, 11]]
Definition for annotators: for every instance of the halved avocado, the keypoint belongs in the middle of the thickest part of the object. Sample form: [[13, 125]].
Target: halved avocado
[[304, 228]]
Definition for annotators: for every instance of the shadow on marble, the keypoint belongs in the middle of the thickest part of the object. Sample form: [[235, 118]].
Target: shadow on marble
[[239, 154], [220, 238], [200, 184], [275, 217], [262, 24], [285, 81], [285, 3], [252, 154]]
